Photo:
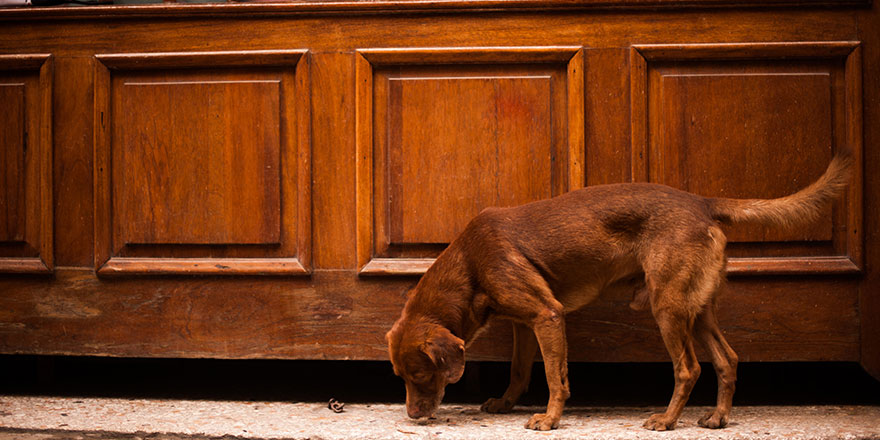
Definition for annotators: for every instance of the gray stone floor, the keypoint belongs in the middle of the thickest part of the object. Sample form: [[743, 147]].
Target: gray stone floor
[[49, 418]]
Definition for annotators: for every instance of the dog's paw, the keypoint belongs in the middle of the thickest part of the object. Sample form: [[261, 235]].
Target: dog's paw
[[713, 420], [496, 406], [542, 422], [659, 422]]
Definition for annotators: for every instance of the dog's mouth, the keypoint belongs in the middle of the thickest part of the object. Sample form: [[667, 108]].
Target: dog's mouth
[[420, 413], [423, 410]]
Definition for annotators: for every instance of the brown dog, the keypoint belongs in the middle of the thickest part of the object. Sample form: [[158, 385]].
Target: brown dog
[[534, 263]]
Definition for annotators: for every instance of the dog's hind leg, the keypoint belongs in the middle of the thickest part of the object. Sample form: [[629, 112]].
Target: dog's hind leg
[[524, 348], [724, 360], [679, 291]]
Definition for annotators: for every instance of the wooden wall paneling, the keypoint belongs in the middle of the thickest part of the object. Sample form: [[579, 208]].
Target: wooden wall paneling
[[703, 142], [322, 316], [364, 157], [334, 160], [577, 161], [639, 115], [759, 320], [336, 314], [224, 167], [825, 313], [222, 156], [869, 291], [26, 233], [697, 116], [444, 133], [345, 33], [73, 178], [607, 116], [340, 7], [854, 140], [12, 138]]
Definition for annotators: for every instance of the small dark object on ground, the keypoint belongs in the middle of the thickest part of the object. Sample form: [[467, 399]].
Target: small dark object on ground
[[336, 406]]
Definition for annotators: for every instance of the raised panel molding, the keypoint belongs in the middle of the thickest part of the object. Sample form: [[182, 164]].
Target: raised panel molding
[[444, 132], [26, 221], [335, 7], [219, 144], [810, 100], [12, 151]]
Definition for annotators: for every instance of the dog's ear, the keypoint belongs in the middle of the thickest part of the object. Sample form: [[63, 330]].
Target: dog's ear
[[446, 351]]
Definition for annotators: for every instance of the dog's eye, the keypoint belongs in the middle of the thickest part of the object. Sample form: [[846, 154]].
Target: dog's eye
[[421, 377]]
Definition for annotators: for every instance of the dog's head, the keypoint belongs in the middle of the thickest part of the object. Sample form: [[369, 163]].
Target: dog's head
[[427, 357]]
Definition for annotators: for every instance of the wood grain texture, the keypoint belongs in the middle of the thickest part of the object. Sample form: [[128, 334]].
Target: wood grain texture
[[166, 144], [202, 266], [714, 128], [221, 157], [12, 140], [331, 294], [397, 266], [324, 317], [479, 142], [157, 60], [221, 138], [397, 6], [73, 172], [344, 34], [746, 51], [767, 99], [468, 55], [456, 131], [608, 116], [26, 221], [868, 58]]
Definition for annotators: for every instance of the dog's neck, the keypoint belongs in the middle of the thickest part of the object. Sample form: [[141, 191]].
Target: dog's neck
[[446, 296]]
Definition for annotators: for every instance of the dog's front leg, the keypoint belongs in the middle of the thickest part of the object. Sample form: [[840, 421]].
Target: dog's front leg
[[549, 328], [524, 348]]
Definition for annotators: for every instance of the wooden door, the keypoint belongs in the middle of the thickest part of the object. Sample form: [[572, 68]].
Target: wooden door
[[267, 181]]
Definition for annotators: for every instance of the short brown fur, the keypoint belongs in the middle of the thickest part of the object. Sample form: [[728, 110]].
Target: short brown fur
[[533, 263]]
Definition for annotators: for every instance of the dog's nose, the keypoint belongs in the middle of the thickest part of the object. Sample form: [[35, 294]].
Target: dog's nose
[[417, 412]]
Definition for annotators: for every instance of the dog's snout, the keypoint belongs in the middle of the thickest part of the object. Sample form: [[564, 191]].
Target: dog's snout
[[418, 411]]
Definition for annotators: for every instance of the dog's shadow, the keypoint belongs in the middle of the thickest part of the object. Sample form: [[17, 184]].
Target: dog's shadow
[[461, 415], [453, 416]]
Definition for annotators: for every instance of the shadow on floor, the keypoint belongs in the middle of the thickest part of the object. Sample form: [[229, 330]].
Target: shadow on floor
[[592, 384]]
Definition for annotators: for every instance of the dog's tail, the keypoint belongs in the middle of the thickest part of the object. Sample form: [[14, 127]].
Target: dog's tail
[[799, 208]]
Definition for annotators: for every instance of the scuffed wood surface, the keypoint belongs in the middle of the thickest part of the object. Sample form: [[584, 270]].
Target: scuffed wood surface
[[336, 315]]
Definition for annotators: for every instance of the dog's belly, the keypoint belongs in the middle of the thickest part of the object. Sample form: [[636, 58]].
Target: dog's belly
[[575, 298], [620, 282]]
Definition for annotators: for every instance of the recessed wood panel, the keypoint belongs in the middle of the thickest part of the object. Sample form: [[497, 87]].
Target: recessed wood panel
[[444, 134], [755, 120], [12, 146], [722, 135], [202, 170], [458, 145], [26, 163], [205, 156]]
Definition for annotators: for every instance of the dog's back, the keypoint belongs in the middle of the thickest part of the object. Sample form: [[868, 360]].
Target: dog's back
[[589, 239]]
